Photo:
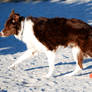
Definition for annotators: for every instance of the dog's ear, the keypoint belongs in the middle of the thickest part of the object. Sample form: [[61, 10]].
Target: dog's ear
[[16, 17], [12, 13]]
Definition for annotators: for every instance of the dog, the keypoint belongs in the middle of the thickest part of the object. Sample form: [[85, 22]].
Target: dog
[[47, 34]]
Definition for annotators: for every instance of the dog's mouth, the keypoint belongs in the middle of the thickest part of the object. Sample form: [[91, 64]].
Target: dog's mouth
[[1, 34], [6, 33]]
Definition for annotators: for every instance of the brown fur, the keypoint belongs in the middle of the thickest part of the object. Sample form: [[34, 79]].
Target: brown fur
[[61, 31], [80, 59], [13, 24], [54, 32]]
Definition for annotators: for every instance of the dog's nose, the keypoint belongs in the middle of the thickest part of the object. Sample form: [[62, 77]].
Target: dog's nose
[[1, 34]]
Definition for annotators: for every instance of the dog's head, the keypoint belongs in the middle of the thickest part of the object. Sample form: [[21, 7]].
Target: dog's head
[[12, 25]]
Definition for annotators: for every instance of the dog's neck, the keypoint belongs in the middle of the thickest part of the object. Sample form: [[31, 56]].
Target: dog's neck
[[21, 31]]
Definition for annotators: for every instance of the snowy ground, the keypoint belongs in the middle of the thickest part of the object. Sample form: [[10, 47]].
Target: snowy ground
[[28, 76]]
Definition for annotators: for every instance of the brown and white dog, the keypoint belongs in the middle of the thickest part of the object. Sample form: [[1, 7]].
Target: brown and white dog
[[47, 34]]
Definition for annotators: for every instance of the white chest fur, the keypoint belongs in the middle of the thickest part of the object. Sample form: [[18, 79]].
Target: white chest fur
[[29, 38]]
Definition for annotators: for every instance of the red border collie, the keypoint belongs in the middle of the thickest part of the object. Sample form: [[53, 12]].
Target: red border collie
[[47, 34]]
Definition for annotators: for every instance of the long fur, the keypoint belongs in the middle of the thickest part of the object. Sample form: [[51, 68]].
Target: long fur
[[47, 34]]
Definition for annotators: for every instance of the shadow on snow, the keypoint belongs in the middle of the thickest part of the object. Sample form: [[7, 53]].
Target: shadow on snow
[[10, 45], [46, 9], [60, 63]]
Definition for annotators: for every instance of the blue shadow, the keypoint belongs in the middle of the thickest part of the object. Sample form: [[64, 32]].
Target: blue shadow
[[3, 91], [10, 45], [48, 9], [60, 63], [41, 67]]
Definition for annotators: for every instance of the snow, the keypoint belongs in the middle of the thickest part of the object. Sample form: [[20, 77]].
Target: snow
[[27, 77]]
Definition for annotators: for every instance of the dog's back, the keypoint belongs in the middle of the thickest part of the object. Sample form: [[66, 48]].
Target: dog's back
[[62, 31]]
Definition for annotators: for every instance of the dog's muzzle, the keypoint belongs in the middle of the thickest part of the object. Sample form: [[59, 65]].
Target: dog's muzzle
[[1, 34]]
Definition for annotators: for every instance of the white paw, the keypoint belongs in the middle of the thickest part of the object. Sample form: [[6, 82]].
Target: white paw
[[12, 67], [47, 76], [70, 74]]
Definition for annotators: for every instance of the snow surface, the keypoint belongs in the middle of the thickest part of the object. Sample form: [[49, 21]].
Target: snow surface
[[28, 76]]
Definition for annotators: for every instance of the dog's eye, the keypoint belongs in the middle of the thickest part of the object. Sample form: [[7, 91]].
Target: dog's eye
[[13, 21]]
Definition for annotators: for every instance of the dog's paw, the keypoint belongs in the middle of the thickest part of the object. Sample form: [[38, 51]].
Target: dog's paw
[[47, 76], [12, 67], [69, 75]]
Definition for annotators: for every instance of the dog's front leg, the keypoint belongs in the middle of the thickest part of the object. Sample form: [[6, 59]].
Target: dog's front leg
[[51, 59], [26, 55]]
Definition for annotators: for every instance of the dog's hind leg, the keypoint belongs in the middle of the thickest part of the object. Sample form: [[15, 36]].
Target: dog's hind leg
[[78, 57], [26, 55], [51, 59]]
